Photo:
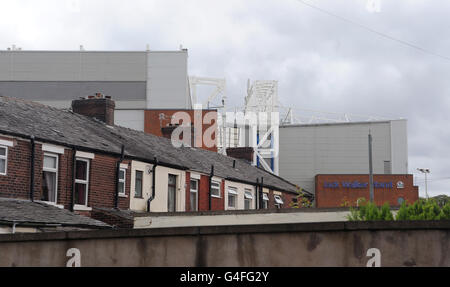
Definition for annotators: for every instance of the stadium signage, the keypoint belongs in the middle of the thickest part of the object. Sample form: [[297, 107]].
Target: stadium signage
[[356, 184]]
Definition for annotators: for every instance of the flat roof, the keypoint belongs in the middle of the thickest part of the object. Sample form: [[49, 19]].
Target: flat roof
[[341, 123], [94, 51]]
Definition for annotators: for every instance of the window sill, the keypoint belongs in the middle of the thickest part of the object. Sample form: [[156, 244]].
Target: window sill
[[123, 195], [215, 196], [139, 197], [82, 207]]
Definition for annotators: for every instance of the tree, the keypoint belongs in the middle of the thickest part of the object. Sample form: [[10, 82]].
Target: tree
[[301, 200]]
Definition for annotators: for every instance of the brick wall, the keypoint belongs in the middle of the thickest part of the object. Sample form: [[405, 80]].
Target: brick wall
[[153, 123], [329, 196], [102, 177], [16, 183], [287, 199], [216, 203]]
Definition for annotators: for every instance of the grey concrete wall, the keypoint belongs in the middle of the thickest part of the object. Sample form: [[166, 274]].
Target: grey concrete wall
[[305, 244], [307, 150]]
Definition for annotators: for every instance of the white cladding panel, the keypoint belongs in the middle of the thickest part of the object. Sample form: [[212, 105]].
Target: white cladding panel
[[307, 150], [399, 146], [167, 80]]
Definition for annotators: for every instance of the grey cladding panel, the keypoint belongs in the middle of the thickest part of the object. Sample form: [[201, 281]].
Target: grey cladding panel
[[57, 91], [72, 66], [167, 80], [331, 149]]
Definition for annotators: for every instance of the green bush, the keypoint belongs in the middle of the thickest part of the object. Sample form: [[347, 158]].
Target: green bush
[[423, 209], [368, 211], [445, 212]]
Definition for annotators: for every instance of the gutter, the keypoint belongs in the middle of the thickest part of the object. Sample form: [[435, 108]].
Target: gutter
[[150, 199], [252, 183]]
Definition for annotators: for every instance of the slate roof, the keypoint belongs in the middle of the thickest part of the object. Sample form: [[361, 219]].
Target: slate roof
[[63, 127], [25, 212]]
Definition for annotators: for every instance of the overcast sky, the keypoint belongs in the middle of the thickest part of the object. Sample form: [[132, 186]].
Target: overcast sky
[[321, 62]]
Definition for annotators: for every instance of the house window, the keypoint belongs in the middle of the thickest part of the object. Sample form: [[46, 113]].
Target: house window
[[278, 201], [194, 195], [138, 184], [215, 188], [232, 197], [3, 160], [248, 198], [265, 201], [122, 175], [172, 189], [49, 184], [81, 181]]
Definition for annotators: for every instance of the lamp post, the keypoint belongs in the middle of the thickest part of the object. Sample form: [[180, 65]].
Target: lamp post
[[370, 169], [425, 171]]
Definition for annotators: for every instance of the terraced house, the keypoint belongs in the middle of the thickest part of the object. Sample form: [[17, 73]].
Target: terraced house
[[79, 160]]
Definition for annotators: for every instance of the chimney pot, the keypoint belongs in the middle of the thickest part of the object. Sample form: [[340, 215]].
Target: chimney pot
[[95, 107]]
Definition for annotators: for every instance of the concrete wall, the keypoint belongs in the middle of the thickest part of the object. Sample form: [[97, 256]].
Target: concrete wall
[[159, 204], [4, 229], [242, 217], [307, 150], [314, 244]]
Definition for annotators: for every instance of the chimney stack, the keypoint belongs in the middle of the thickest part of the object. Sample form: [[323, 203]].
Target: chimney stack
[[245, 153], [98, 106]]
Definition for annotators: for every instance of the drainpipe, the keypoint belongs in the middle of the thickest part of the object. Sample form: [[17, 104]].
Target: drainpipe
[[116, 198], [153, 184], [258, 199], [261, 189], [33, 145], [74, 163], [210, 184]]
